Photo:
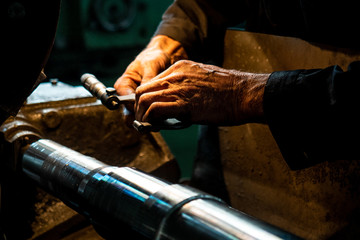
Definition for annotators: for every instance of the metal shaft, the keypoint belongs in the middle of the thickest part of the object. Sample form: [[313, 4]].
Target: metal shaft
[[100, 91], [115, 198]]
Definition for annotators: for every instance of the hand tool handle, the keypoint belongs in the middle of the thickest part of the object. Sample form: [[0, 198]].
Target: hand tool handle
[[107, 96], [112, 101], [167, 124]]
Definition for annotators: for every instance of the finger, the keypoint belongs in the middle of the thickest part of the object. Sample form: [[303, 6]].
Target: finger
[[163, 110], [155, 85], [175, 71], [163, 74], [162, 80], [151, 75], [145, 100], [166, 79], [127, 84]]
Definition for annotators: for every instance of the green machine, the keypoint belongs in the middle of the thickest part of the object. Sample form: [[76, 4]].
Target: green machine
[[102, 36]]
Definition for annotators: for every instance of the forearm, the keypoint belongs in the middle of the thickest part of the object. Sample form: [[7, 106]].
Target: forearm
[[249, 90]]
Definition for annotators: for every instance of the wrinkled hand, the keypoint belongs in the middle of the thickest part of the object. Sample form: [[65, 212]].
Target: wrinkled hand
[[203, 94], [160, 53]]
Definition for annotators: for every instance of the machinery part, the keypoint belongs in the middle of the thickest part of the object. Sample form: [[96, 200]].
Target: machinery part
[[115, 15], [112, 101], [51, 118], [27, 212], [113, 197], [16, 194], [108, 96], [168, 124]]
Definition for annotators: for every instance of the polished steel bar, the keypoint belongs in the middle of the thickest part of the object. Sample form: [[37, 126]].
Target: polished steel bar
[[115, 198]]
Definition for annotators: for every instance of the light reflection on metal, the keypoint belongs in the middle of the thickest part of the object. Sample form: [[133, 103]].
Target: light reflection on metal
[[117, 198]]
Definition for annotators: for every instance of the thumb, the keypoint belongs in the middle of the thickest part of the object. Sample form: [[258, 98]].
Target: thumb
[[126, 85]]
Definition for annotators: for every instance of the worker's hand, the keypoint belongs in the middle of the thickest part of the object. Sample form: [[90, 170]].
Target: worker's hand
[[159, 54], [200, 93]]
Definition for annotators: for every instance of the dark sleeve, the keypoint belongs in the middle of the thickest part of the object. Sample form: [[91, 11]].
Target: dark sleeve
[[200, 24], [314, 114]]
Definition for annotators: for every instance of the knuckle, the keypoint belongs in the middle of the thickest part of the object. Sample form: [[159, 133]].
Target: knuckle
[[141, 101], [181, 63], [153, 111], [144, 100], [139, 91], [165, 84]]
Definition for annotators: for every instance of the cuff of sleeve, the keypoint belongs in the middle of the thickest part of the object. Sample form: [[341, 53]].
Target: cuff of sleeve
[[280, 97]]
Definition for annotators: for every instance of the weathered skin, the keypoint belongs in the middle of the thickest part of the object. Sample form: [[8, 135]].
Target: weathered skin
[[195, 92]]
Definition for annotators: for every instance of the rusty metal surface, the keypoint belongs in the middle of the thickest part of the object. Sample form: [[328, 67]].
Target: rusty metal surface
[[314, 203], [69, 116], [80, 122]]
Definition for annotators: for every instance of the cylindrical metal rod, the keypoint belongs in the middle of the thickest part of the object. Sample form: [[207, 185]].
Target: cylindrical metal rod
[[115, 197], [100, 91]]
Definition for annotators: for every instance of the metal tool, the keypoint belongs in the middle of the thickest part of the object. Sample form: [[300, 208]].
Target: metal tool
[[112, 101], [122, 198], [107, 95]]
